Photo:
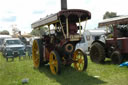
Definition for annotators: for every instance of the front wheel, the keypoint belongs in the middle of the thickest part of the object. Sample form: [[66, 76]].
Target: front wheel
[[54, 61], [80, 60], [116, 57]]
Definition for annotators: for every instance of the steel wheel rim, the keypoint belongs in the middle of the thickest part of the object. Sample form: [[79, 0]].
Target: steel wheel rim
[[53, 63], [79, 60], [35, 54]]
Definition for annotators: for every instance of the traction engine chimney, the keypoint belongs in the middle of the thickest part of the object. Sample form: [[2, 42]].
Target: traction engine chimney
[[63, 4]]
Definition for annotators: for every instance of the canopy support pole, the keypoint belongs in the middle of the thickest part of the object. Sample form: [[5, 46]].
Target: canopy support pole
[[67, 28]]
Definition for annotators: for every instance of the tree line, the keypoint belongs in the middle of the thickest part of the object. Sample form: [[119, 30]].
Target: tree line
[[110, 15], [4, 32]]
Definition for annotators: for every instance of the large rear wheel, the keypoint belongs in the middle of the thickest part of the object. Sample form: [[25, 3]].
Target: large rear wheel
[[80, 60], [54, 61], [97, 53], [37, 53]]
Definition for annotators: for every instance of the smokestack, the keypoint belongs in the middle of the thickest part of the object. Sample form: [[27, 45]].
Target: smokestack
[[63, 4]]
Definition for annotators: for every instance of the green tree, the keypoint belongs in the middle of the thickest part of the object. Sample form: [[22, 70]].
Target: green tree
[[4, 32], [38, 32], [109, 15]]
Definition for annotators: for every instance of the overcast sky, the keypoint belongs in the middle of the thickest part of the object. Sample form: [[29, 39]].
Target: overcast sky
[[25, 12]]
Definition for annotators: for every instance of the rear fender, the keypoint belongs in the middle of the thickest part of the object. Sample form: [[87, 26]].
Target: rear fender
[[102, 43], [102, 38]]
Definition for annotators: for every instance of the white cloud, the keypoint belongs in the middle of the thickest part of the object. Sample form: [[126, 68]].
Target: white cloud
[[24, 10]]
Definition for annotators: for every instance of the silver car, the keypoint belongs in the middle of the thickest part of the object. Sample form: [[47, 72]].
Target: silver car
[[13, 47]]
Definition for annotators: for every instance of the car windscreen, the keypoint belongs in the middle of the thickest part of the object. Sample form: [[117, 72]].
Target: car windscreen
[[13, 42]]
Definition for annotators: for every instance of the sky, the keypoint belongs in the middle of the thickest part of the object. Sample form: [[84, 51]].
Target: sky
[[22, 13]]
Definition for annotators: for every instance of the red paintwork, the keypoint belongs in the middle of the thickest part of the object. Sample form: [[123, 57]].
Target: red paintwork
[[110, 41], [73, 28], [78, 12], [122, 44], [47, 54]]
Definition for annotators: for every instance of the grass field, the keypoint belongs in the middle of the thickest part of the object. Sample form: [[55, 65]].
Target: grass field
[[12, 73]]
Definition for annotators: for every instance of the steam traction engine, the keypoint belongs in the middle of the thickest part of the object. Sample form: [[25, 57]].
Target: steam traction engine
[[58, 46]]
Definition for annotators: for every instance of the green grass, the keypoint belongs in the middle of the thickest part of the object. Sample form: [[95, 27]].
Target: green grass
[[12, 73]]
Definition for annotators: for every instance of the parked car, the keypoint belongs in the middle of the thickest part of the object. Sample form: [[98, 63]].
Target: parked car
[[83, 44], [2, 37], [13, 47]]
